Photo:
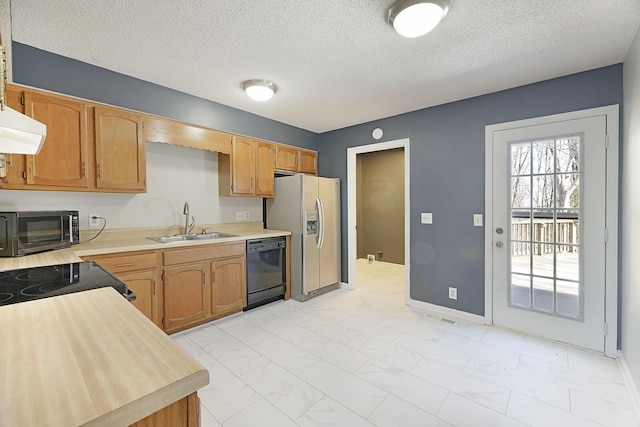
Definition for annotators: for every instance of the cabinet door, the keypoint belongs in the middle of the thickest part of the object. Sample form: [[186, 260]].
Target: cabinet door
[[286, 158], [187, 295], [243, 163], [120, 150], [144, 284], [15, 163], [308, 162], [63, 158], [264, 169], [229, 286]]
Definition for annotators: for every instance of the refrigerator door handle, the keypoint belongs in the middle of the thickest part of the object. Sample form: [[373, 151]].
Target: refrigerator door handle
[[320, 222]]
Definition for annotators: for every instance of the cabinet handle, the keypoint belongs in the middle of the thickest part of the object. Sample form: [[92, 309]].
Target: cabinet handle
[[84, 168], [99, 171], [129, 264], [295, 160]]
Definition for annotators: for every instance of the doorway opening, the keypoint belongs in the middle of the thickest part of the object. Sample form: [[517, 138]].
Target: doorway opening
[[378, 217]]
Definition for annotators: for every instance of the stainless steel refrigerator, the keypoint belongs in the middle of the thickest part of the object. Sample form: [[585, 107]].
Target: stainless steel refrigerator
[[309, 207]]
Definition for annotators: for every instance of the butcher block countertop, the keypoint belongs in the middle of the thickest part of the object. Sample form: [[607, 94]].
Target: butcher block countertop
[[88, 359], [135, 239]]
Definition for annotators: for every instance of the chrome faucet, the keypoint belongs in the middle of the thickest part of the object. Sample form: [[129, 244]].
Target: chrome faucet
[[187, 227]]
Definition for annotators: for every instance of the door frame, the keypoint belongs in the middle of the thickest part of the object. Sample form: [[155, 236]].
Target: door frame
[[352, 233], [611, 213]]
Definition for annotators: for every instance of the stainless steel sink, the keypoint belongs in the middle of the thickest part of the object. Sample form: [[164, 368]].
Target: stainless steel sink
[[182, 237]]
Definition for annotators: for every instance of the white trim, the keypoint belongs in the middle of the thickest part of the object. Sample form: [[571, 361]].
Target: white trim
[[611, 288], [352, 242], [446, 311], [634, 395]]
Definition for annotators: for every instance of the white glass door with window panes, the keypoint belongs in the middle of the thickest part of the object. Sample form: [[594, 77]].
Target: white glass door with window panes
[[549, 217]]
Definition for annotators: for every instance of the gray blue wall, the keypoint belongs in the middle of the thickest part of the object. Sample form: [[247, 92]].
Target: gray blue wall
[[447, 174], [42, 69]]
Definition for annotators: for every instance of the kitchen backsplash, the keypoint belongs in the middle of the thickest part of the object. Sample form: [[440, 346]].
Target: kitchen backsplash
[[175, 175]]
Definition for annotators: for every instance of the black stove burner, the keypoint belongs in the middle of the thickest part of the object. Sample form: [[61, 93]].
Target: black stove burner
[[41, 282]]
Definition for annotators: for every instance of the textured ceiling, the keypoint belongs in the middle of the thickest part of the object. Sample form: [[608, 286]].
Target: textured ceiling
[[336, 62]]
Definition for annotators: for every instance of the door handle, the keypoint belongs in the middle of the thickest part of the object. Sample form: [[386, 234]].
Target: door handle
[[499, 244], [499, 230]]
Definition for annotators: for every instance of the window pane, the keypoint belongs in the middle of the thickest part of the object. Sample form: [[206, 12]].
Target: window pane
[[521, 158], [568, 298], [568, 264], [520, 285], [520, 225], [543, 294], [542, 192], [543, 157], [568, 153], [567, 227], [520, 258], [568, 190], [521, 192]]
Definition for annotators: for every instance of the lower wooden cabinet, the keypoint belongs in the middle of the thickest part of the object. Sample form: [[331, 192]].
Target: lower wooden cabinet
[[203, 283], [228, 287], [179, 288], [187, 291], [183, 413], [139, 270], [145, 286]]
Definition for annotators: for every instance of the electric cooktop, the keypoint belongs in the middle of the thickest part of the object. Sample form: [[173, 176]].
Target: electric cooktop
[[32, 283]]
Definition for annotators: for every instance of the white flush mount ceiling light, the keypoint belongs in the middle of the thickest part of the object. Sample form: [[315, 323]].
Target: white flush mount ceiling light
[[259, 90], [414, 18]]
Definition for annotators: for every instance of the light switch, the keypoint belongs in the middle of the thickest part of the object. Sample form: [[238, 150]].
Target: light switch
[[477, 220], [426, 218]]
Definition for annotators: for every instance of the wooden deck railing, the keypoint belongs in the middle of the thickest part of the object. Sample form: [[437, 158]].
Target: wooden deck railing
[[538, 236]]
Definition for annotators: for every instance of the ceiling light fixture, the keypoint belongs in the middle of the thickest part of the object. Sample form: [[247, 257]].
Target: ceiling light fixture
[[259, 90], [414, 18]]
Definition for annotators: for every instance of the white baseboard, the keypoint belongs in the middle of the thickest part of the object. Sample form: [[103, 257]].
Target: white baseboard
[[446, 311], [629, 382]]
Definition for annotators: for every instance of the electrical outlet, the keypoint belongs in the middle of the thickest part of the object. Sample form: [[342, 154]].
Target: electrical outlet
[[371, 258], [426, 218], [93, 220], [477, 220], [239, 215], [453, 293], [247, 217]]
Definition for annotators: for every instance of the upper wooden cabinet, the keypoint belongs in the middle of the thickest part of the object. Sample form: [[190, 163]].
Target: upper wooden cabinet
[[87, 148], [265, 162], [296, 159], [308, 162], [63, 159], [248, 170], [120, 150]]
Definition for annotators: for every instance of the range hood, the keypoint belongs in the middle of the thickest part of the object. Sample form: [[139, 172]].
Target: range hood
[[19, 134]]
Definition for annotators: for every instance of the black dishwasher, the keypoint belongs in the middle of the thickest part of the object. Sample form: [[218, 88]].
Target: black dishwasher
[[266, 271]]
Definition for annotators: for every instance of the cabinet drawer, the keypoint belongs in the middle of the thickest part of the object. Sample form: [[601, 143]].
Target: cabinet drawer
[[128, 261], [202, 253]]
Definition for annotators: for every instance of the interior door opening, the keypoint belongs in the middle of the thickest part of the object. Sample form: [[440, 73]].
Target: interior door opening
[[376, 212]]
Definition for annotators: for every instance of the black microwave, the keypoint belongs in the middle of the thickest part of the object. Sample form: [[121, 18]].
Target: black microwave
[[30, 232]]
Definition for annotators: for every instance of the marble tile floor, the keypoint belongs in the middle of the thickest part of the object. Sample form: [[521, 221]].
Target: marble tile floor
[[363, 358]]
